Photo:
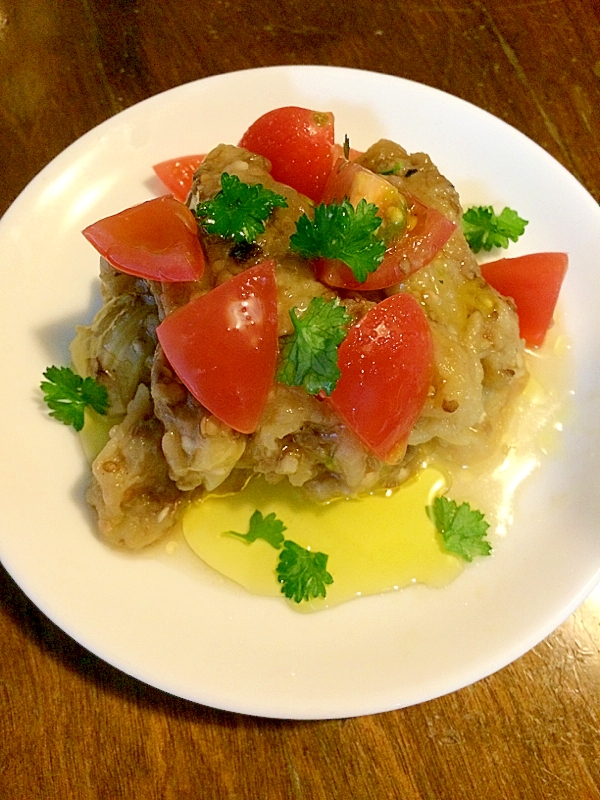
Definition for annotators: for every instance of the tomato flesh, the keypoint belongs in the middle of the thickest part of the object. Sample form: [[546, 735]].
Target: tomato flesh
[[177, 174], [533, 281], [223, 346], [386, 364], [428, 231], [156, 240], [338, 151], [299, 143]]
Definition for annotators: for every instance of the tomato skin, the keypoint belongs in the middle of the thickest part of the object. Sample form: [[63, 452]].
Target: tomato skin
[[341, 178], [338, 152], [386, 364], [407, 254], [177, 174], [156, 240], [223, 346], [533, 281], [299, 143]]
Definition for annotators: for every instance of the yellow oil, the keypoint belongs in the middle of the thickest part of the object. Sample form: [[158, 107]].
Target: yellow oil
[[377, 543], [386, 541], [95, 432]]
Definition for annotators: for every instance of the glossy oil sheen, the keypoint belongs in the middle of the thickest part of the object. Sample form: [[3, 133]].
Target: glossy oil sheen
[[384, 542], [375, 544]]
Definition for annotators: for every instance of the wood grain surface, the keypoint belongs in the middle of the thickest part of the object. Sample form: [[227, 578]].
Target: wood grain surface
[[73, 727]]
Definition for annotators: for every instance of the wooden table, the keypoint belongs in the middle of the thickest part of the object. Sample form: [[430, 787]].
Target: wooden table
[[73, 727]]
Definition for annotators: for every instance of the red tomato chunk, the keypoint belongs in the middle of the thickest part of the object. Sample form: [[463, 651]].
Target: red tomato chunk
[[299, 143], [177, 174], [223, 346], [386, 362], [156, 240], [409, 251], [533, 282]]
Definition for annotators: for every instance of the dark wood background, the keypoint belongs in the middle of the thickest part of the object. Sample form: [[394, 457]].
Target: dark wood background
[[72, 726]]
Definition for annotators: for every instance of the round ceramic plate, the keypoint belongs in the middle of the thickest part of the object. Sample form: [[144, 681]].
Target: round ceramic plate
[[169, 620]]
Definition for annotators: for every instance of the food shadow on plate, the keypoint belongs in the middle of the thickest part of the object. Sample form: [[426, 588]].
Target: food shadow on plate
[[54, 338]]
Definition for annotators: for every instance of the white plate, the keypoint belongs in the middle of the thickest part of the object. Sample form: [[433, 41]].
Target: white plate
[[176, 625]]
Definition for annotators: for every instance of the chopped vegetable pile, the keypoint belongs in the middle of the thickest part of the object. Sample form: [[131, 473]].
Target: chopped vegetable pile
[[291, 293]]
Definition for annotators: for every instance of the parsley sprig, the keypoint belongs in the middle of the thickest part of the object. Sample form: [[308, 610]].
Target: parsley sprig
[[463, 529], [301, 572], [67, 394], [268, 528], [484, 229], [309, 356], [239, 210], [341, 231]]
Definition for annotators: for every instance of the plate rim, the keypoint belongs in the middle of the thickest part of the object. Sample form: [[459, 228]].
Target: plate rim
[[359, 708]]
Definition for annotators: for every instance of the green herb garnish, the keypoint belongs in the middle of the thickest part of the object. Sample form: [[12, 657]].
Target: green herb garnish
[[462, 529], [268, 528], [239, 210], [390, 168], [67, 394], [301, 573], [341, 231], [483, 229], [309, 356]]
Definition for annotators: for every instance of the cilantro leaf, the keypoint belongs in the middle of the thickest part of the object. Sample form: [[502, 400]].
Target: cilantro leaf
[[239, 210], [268, 528], [483, 229], [67, 394], [341, 231], [463, 529], [302, 573], [310, 354]]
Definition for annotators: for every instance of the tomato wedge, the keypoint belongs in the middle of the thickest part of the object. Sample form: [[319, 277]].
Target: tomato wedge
[[223, 346], [533, 281], [156, 240], [386, 364], [177, 174], [413, 248], [299, 144]]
